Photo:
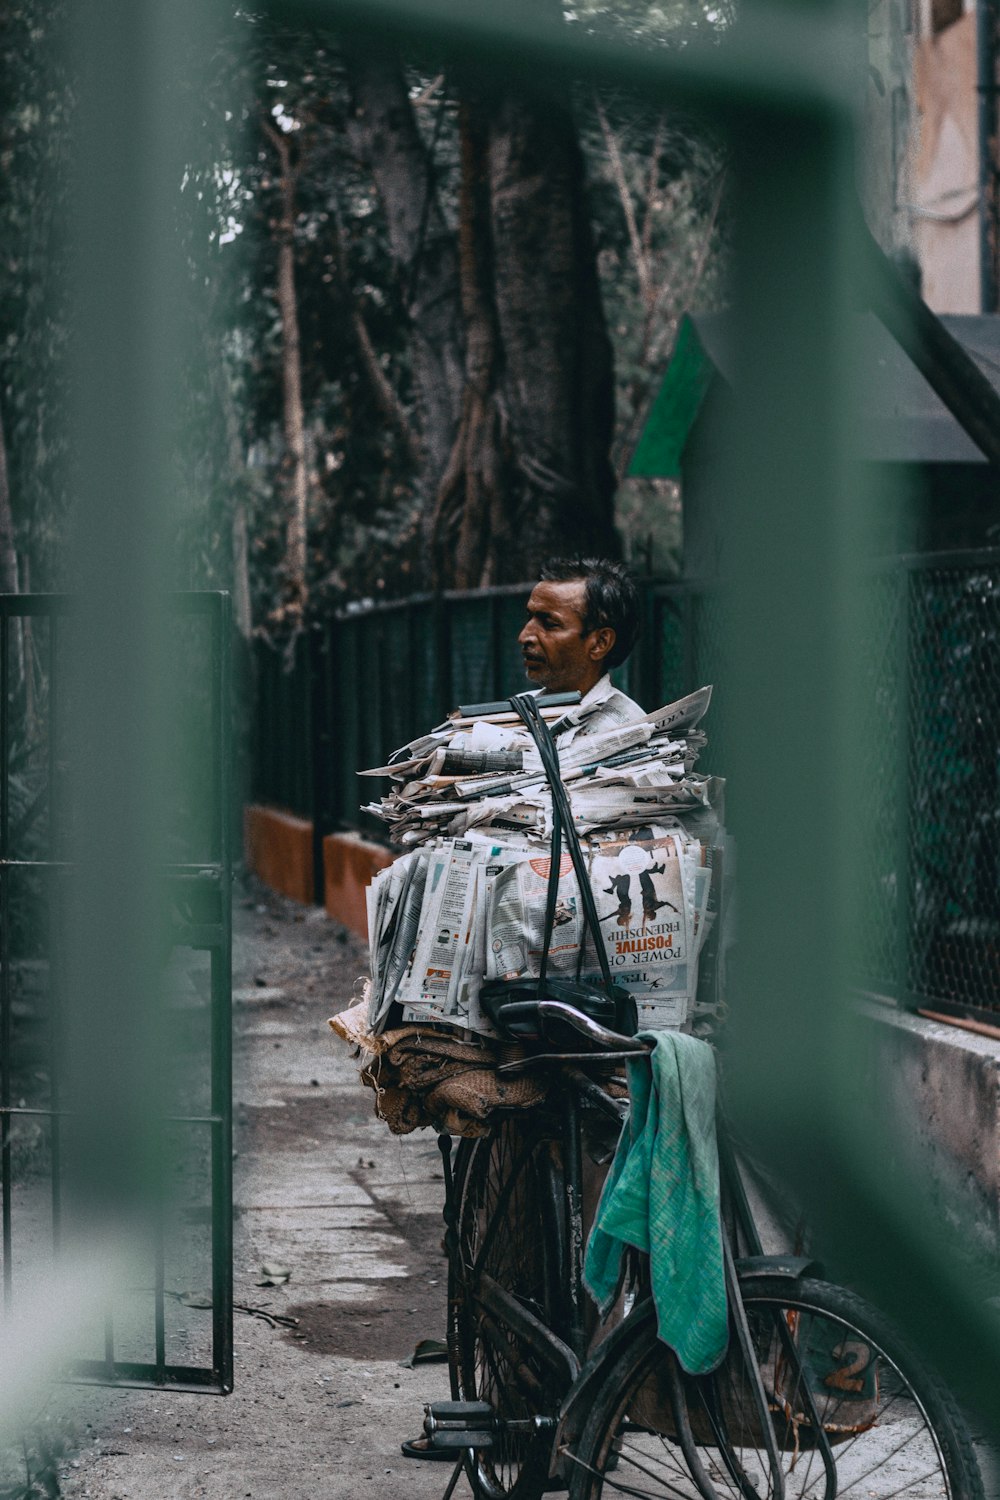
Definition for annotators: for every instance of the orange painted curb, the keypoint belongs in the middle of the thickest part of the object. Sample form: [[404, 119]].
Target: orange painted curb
[[349, 865], [279, 849]]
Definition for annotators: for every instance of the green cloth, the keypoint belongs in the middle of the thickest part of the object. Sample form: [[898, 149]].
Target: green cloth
[[662, 1195]]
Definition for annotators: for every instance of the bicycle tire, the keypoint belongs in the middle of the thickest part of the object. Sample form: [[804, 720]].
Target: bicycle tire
[[849, 1368], [508, 1235]]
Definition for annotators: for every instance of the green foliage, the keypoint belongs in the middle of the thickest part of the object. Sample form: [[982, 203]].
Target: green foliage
[[35, 123], [364, 509]]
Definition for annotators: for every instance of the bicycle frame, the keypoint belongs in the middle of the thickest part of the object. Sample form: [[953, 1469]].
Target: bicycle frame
[[564, 1351]]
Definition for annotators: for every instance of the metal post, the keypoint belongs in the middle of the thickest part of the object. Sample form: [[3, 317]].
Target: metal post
[[132, 286]]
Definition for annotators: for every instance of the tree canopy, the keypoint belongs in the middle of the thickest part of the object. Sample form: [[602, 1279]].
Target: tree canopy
[[433, 309]]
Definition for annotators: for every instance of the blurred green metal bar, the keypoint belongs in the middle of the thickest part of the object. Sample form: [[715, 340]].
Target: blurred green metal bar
[[797, 537], [135, 64], [127, 361], [794, 56], [222, 1020], [209, 927]]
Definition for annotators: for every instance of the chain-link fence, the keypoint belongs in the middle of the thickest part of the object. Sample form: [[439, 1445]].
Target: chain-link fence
[[369, 679], [952, 940]]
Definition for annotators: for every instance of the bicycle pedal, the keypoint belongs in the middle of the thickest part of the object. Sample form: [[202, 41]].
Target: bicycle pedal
[[459, 1424]]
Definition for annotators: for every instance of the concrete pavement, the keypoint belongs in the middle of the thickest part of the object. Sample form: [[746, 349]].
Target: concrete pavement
[[323, 1189]]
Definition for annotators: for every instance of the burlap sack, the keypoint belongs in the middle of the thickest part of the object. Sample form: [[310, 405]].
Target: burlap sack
[[425, 1076]]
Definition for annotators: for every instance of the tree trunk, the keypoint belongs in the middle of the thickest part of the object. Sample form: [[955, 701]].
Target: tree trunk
[[379, 383], [511, 354], [530, 472], [296, 584], [384, 135], [557, 380], [474, 496], [237, 469]]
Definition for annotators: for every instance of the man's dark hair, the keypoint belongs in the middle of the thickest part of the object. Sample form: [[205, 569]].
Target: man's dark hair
[[612, 598]]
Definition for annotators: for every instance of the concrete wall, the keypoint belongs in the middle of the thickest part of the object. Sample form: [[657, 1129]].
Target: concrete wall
[[939, 1093], [945, 169], [919, 146], [885, 140]]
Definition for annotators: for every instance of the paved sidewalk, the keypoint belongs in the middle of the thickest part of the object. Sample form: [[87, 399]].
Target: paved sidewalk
[[321, 1187]]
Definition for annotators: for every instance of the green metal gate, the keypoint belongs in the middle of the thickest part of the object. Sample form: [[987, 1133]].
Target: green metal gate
[[174, 1327]]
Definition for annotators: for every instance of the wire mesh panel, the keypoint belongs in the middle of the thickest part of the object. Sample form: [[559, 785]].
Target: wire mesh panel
[[173, 1325], [953, 844]]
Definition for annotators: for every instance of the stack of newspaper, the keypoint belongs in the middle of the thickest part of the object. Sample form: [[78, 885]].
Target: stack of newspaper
[[482, 771], [468, 904]]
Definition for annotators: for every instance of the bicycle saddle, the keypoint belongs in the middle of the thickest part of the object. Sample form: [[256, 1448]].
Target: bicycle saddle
[[513, 1007]]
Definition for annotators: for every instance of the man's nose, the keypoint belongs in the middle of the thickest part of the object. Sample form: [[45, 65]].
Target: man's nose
[[527, 634]]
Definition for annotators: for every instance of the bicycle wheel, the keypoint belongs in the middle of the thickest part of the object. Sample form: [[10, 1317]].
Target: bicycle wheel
[[853, 1411], [503, 1283]]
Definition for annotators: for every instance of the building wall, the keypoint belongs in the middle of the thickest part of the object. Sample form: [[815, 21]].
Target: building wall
[[920, 144], [887, 125], [945, 168]]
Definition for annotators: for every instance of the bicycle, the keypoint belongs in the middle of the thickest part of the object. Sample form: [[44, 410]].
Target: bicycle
[[817, 1398]]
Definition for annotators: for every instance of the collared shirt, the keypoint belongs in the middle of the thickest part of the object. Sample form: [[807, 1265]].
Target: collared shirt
[[604, 707]]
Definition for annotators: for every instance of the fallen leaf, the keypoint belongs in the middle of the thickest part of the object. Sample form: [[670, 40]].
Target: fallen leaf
[[274, 1275], [427, 1352]]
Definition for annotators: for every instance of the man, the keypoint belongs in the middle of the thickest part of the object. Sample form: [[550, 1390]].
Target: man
[[583, 620]]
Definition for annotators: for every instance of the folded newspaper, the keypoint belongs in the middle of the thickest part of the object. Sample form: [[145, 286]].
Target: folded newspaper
[[484, 773], [467, 904]]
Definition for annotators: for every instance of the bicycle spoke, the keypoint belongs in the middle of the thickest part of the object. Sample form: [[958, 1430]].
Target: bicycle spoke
[[882, 1460], [503, 1219], [629, 1453], [895, 1433]]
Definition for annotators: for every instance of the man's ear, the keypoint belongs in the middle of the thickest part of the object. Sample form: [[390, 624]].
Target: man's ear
[[601, 642]]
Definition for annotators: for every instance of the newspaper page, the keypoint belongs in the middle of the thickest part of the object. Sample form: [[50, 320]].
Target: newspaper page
[[516, 918], [389, 888], [399, 959], [441, 922], [646, 920]]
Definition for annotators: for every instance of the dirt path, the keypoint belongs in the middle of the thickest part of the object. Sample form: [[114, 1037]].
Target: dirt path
[[321, 1187]]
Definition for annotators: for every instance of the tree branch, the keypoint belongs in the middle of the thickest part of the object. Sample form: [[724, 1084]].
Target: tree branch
[[652, 183], [382, 388], [628, 207], [291, 370], [384, 136]]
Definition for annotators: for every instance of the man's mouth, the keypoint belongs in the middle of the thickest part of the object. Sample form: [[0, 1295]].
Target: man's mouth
[[532, 661]]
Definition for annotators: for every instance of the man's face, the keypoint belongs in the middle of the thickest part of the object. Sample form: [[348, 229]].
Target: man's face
[[557, 654]]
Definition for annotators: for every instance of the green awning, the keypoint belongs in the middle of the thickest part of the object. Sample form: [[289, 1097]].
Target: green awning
[[673, 413]]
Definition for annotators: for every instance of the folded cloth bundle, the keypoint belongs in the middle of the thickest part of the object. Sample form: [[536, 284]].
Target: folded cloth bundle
[[422, 1075], [662, 1196]]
